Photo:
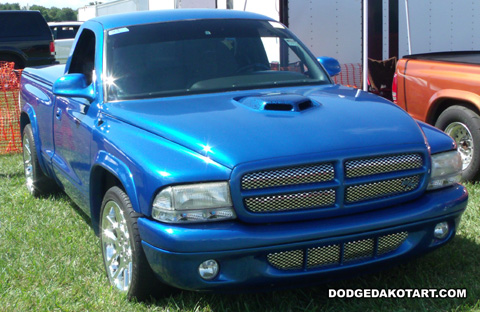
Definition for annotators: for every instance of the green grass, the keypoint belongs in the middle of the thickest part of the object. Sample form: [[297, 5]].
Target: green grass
[[50, 260]]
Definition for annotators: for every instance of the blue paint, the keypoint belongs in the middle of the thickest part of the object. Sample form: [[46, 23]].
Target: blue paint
[[150, 143]]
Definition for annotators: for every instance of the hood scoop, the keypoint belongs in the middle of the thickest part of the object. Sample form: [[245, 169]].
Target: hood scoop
[[277, 102]]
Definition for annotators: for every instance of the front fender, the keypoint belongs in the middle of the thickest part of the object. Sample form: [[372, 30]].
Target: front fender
[[437, 139], [144, 163]]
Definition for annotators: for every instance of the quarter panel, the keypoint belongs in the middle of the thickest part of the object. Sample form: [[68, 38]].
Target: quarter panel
[[38, 102], [427, 82]]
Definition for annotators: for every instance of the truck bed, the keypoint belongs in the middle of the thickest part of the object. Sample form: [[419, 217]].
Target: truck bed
[[465, 57], [46, 74]]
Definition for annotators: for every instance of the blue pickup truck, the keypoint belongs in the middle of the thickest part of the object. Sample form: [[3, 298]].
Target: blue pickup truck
[[213, 152]]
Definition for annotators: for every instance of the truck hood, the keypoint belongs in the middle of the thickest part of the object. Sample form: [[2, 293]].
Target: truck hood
[[239, 127]]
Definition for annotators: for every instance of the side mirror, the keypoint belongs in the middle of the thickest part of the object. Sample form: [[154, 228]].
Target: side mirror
[[74, 85], [331, 65]]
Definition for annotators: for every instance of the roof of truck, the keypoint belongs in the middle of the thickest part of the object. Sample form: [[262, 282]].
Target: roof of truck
[[147, 17]]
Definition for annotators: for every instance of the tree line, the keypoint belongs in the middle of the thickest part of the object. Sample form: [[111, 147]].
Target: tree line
[[52, 14]]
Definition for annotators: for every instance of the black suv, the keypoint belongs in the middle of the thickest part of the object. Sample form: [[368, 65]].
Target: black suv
[[25, 39]]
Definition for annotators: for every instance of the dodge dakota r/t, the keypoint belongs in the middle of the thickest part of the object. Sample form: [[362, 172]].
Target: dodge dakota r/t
[[213, 152]]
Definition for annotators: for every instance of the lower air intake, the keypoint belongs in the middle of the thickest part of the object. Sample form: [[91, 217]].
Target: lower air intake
[[287, 260], [331, 255]]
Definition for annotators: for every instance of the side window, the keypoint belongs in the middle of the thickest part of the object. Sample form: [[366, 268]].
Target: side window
[[83, 58]]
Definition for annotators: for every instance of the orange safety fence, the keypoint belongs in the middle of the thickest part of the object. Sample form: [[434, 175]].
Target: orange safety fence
[[10, 138], [351, 75]]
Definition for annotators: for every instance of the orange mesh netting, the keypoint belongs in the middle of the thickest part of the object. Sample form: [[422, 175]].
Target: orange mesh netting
[[10, 139], [351, 75]]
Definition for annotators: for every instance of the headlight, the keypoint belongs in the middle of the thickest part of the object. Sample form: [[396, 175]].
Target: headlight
[[446, 170], [194, 203]]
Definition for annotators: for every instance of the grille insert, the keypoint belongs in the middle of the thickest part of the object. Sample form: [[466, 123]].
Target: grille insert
[[362, 249], [319, 186], [385, 164], [293, 201], [390, 242], [323, 256], [286, 260], [381, 189], [289, 176]]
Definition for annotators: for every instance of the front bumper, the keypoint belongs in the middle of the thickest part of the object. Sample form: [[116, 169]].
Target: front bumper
[[242, 250]]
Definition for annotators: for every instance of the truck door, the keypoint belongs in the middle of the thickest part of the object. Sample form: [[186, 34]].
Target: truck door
[[73, 123]]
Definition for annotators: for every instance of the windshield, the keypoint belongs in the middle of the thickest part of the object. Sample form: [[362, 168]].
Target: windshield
[[201, 56]]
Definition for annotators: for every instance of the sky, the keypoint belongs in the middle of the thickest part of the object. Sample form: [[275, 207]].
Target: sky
[[73, 4]]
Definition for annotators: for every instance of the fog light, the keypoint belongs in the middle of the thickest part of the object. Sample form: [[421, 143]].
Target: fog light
[[441, 230], [208, 270]]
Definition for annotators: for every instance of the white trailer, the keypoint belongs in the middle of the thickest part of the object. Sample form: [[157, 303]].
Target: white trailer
[[337, 28], [438, 26]]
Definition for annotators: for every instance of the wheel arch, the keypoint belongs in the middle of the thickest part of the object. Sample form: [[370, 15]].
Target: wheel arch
[[107, 172], [28, 117], [447, 98], [15, 54], [24, 120]]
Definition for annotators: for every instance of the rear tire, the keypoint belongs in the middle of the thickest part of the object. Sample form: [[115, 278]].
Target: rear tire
[[463, 125], [37, 182], [125, 263]]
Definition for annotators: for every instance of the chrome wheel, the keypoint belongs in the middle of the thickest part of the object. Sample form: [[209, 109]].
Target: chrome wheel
[[117, 247], [125, 262], [28, 163], [462, 136]]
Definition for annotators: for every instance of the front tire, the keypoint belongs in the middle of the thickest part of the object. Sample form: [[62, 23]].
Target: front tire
[[125, 262], [463, 125]]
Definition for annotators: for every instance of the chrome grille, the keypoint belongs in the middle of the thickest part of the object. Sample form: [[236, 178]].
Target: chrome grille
[[359, 250], [289, 176], [381, 189], [385, 164], [286, 260], [323, 256], [326, 255], [318, 186], [294, 201], [391, 242]]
